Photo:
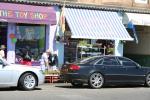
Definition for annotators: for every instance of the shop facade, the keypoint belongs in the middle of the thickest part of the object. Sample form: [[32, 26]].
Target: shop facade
[[26, 30], [88, 30]]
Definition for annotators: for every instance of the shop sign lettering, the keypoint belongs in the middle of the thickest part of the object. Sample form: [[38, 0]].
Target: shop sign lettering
[[23, 15]]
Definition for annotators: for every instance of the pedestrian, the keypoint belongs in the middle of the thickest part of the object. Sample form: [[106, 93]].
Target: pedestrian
[[2, 52], [44, 63], [53, 61]]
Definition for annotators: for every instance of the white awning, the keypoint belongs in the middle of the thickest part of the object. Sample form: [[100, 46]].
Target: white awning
[[95, 24], [137, 19]]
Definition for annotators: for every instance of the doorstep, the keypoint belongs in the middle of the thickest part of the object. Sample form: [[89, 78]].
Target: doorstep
[[52, 78]]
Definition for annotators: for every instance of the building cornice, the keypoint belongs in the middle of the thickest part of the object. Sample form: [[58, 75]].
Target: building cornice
[[81, 5]]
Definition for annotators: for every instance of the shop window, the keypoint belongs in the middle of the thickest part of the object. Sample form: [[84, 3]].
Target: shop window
[[30, 42]]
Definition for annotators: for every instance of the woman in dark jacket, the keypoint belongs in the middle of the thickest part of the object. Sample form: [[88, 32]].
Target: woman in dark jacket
[[53, 60]]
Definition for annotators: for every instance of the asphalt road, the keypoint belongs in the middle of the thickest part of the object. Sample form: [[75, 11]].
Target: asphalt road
[[65, 91]]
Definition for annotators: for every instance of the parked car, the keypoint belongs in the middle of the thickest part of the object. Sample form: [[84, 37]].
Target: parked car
[[22, 76], [105, 70]]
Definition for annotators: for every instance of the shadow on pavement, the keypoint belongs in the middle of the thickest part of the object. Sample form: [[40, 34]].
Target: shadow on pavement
[[16, 89], [73, 87], [9, 89], [104, 87]]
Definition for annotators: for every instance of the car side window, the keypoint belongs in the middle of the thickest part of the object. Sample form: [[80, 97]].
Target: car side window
[[93, 62], [110, 61], [126, 62]]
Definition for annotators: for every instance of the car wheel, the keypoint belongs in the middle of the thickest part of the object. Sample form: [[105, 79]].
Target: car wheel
[[96, 80], [27, 81], [77, 84], [148, 80]]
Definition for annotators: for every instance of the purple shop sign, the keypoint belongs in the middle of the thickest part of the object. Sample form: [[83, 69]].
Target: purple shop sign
[[19, 13]]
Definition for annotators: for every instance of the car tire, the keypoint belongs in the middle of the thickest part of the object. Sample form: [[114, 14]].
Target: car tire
[[96, 80], [147, 81], [27, 81], [77, 84]]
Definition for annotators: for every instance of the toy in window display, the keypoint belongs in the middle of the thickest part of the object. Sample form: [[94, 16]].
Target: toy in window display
[[26, 59], [26, 56]]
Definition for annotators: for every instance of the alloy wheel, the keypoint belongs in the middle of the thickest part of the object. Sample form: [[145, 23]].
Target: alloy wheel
[[29, 81], [96, 80], [148, 80]]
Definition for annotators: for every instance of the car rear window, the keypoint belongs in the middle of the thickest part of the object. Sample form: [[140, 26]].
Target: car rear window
[[90, 60]]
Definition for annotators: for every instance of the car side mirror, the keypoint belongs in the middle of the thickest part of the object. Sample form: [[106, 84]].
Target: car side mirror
[[2, 64]]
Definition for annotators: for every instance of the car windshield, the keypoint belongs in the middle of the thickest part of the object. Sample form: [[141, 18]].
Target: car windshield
[[88, 60]]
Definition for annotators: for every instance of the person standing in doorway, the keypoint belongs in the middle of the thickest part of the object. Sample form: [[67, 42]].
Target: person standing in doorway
[[2, 52], [45, 61], [53, 61]]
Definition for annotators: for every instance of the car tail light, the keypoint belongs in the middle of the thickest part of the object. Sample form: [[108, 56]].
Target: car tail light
[[74, 67]]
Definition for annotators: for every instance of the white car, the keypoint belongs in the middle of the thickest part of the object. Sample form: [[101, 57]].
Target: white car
[[22, 76]]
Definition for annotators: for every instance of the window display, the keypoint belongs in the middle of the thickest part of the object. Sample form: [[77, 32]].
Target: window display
[[30, 42]]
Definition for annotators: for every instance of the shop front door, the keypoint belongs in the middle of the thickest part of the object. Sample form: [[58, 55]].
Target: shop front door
[[3, 34]]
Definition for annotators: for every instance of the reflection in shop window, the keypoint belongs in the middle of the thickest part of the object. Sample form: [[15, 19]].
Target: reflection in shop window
[[30, 42]]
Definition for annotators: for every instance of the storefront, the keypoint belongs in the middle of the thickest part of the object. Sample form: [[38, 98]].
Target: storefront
[[91, 26], [26, 30]]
